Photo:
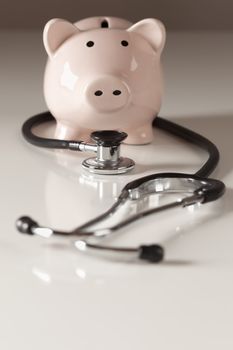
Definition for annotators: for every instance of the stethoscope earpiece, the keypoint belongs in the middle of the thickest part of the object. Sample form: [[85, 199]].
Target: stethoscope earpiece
[[25, 225], [152, 253]]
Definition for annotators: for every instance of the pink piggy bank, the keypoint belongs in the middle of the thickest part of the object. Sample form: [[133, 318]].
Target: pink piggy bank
[[104, 73]]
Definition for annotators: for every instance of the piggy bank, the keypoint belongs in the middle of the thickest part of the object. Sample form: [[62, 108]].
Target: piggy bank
[[104, 73]]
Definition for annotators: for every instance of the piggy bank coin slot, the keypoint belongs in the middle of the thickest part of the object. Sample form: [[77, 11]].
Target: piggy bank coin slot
[[104, 24]]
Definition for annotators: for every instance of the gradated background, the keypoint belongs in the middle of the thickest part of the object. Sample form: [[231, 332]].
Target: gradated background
[[177, 14], [51, 296]]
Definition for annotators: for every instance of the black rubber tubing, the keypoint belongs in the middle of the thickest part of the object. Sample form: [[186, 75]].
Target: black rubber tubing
[[42, 141], [158, 122]]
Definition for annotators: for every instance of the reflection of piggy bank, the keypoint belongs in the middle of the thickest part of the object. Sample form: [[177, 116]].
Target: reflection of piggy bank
[[104, 73]]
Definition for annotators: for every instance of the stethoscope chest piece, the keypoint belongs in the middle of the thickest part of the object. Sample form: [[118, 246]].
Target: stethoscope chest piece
[[108, 160]]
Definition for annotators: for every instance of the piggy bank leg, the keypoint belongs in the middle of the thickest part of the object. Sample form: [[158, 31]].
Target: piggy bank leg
[[66, 131], [140, 136]]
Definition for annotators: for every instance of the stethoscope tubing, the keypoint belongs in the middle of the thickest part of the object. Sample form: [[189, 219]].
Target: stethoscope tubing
[[207, 191], [158, 122]]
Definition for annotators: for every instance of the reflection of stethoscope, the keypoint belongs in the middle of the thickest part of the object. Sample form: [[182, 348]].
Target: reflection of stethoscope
[[191, 188]]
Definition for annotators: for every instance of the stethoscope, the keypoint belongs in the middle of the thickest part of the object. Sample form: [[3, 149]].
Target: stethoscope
[[192, 188]]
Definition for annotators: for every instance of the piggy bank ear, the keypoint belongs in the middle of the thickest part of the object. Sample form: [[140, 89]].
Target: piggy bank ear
[[152, 30], [56, 31]]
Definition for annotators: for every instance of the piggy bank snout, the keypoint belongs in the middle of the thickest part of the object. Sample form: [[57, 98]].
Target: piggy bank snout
[[107, 94]]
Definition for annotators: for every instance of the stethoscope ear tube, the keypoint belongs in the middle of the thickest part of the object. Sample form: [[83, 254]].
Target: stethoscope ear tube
[[199, 190], [213, 190], [153, 253], [210, 189]]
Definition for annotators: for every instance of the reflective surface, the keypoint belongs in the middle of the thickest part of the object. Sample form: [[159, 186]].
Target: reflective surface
[[53, 297], [123, 165]]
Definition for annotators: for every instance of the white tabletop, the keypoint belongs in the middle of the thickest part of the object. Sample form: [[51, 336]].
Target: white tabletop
[[53, 297]]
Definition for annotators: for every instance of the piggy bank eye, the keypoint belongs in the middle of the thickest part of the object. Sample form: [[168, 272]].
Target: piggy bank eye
[[90, 43], [124, 43]]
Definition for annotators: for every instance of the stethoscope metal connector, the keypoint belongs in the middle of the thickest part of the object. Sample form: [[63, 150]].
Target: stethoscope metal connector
[[108, 160]]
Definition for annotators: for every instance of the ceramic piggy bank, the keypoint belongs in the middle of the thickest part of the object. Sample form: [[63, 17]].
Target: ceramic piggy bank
[[104, 73]]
